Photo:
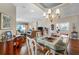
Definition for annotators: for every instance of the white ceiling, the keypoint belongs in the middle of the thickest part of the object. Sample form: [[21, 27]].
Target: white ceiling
[[49, 5], [28, 12]]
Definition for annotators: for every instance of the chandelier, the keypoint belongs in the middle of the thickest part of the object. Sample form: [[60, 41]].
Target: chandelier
[[52, 14]]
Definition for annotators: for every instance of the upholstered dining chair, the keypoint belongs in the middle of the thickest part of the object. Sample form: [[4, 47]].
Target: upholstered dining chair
[[19, 43], [65, 41]]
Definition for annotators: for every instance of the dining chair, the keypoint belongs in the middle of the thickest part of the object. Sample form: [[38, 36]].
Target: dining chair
[[50, 52], [43, 50], [19, 43], [32, 46], [65, 41]]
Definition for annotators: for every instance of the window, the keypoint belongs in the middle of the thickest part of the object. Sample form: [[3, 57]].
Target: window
[[63, 26], [20, 28]]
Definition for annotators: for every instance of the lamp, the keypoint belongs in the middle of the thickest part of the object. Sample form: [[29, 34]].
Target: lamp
[[49, 11], [51, 15], [57, 11]]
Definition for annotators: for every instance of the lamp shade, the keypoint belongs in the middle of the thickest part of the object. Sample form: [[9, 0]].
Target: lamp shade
[[49, 11], [57, 11]]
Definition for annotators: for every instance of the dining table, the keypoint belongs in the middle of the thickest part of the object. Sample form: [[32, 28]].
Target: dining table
[[56, 44]]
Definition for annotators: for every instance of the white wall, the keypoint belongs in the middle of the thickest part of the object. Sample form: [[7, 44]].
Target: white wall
[[10, 10]]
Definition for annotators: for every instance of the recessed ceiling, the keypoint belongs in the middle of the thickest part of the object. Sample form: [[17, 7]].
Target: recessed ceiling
[[49, 5]]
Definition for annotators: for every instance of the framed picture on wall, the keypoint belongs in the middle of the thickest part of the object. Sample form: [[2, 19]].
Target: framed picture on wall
[[64, 27], [5, 21]]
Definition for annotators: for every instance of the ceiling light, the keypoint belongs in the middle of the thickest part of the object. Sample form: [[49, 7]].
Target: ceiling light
[[51, 15]]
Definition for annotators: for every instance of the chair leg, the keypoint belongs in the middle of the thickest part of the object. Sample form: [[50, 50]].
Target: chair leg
[[47, 52], [65, 52], [50, 51]]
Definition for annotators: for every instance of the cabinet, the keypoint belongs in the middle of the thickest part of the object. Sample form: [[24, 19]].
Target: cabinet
[[1, 48], [9, 48], [6, 48], [73, 47]]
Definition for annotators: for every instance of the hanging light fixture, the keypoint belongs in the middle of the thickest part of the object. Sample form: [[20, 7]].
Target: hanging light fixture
[[51, 15]]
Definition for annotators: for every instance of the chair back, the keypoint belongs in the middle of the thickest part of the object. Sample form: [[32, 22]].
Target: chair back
[[32, 46]]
